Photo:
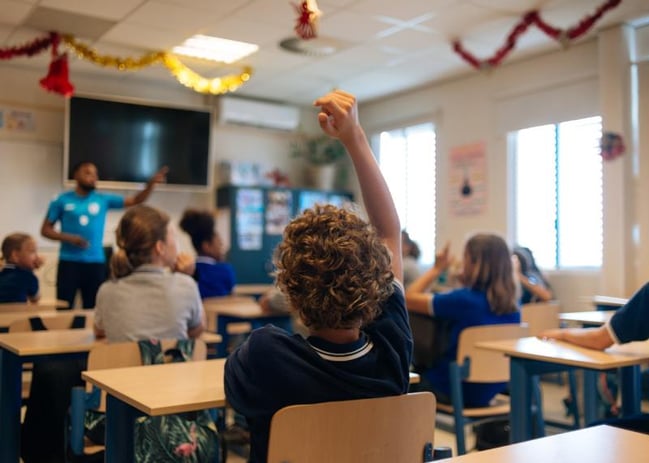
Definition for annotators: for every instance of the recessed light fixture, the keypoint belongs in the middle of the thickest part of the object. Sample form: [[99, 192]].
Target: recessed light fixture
[[215, 48], [319, 46]]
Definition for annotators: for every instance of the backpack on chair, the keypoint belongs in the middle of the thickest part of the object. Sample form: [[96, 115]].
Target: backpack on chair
[[183, 437]]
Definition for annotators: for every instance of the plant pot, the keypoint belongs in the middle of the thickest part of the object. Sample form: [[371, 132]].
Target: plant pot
[[320, 176]]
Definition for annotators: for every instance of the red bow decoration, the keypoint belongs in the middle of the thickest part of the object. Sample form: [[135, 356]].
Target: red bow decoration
[[57, 77]]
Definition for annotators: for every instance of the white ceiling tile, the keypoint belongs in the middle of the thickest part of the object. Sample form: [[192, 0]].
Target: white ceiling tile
[[113, 9], [145, 37], [14, 12]]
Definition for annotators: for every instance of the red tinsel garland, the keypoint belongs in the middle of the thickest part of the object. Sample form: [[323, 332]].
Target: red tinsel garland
[[532, 17], [29, 49]]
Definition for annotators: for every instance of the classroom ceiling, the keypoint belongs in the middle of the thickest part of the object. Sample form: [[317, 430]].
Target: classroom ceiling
[[383, 46]]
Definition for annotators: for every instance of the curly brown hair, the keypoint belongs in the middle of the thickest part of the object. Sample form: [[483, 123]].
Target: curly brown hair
[[491, 271], [334, 268]]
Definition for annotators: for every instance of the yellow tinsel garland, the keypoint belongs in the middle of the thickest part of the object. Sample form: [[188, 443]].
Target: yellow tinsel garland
[[182, 73]]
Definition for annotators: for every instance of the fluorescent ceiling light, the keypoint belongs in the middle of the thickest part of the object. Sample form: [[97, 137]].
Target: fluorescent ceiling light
[[215, 48]]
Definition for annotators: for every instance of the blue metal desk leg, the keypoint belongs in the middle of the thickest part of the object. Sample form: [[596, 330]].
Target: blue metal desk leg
[[521, 401], [590, 396], [10, 387], [631, 390], [120, 424]]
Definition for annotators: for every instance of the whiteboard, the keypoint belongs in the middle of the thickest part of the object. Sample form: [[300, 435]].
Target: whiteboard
[[30, 176]]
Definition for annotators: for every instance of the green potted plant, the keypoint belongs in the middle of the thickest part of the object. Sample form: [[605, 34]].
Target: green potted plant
[[320, 153]]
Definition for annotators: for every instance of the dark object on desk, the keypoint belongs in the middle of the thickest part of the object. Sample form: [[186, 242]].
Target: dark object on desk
[[491, 434], [430, 336]]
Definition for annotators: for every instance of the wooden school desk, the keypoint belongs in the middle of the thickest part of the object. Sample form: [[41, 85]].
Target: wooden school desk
[[599, 444], [154, 390], [608, 302], [531, 356], [19, 348], [235, 309], [588, 318], [16, 348]]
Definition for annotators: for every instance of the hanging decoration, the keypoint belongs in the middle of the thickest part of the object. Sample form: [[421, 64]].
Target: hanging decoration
[[32, 48], [121, 64], [611, 146], [308, 13], [563, 36], [57, 77], [215, 86]]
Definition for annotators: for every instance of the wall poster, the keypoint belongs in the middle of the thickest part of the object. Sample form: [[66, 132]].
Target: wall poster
[[468, 179]]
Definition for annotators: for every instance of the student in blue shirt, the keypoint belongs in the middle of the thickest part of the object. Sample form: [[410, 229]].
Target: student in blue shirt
[[214, 276], [82, 215], [20, 258], [488, 297], [343, 276]]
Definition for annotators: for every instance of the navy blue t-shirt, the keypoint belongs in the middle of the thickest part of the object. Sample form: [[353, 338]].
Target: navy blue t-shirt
[[274, 369], [631, 321], [17, 284], [465, 307]]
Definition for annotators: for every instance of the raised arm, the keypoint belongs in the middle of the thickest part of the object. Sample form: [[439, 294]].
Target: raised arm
[[338, 118], [141, 196], [418, 294]]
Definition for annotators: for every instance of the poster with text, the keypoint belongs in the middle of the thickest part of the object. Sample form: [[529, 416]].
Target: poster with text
[[468, 179]]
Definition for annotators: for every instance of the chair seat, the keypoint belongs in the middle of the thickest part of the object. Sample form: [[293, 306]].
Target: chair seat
[[499, 406]]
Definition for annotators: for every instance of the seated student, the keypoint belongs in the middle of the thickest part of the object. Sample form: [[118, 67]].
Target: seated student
[[487, 298], [343, 276], [214, 276], [629, 323], [20, 258], [533, 284], [145, 299], [411, 253]]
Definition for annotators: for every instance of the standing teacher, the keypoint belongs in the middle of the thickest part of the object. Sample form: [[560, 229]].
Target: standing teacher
[[82, 213]]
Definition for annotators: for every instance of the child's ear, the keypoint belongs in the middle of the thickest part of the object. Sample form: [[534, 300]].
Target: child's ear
[[205, 247], [160, 247]]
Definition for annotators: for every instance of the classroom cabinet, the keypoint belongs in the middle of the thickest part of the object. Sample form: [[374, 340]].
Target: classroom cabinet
[[251, 220]]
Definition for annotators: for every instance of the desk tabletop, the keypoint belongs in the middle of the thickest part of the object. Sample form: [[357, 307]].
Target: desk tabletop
[[568, 354], [7, 318], [63, 341], [235, 307], [164, 389], [590, 317], [48, 342], [252, 289], [608, 300], [598, 444]]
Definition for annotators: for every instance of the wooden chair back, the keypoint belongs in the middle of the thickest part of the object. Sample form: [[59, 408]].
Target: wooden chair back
[[487, 366], [56, 321], [540, 316], [395, 429]]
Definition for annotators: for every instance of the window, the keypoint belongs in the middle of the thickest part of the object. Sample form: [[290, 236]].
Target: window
[[407, 160], [558, 193]]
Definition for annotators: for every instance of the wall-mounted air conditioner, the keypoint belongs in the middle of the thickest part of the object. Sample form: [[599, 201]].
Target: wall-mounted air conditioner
[[258, 113]]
